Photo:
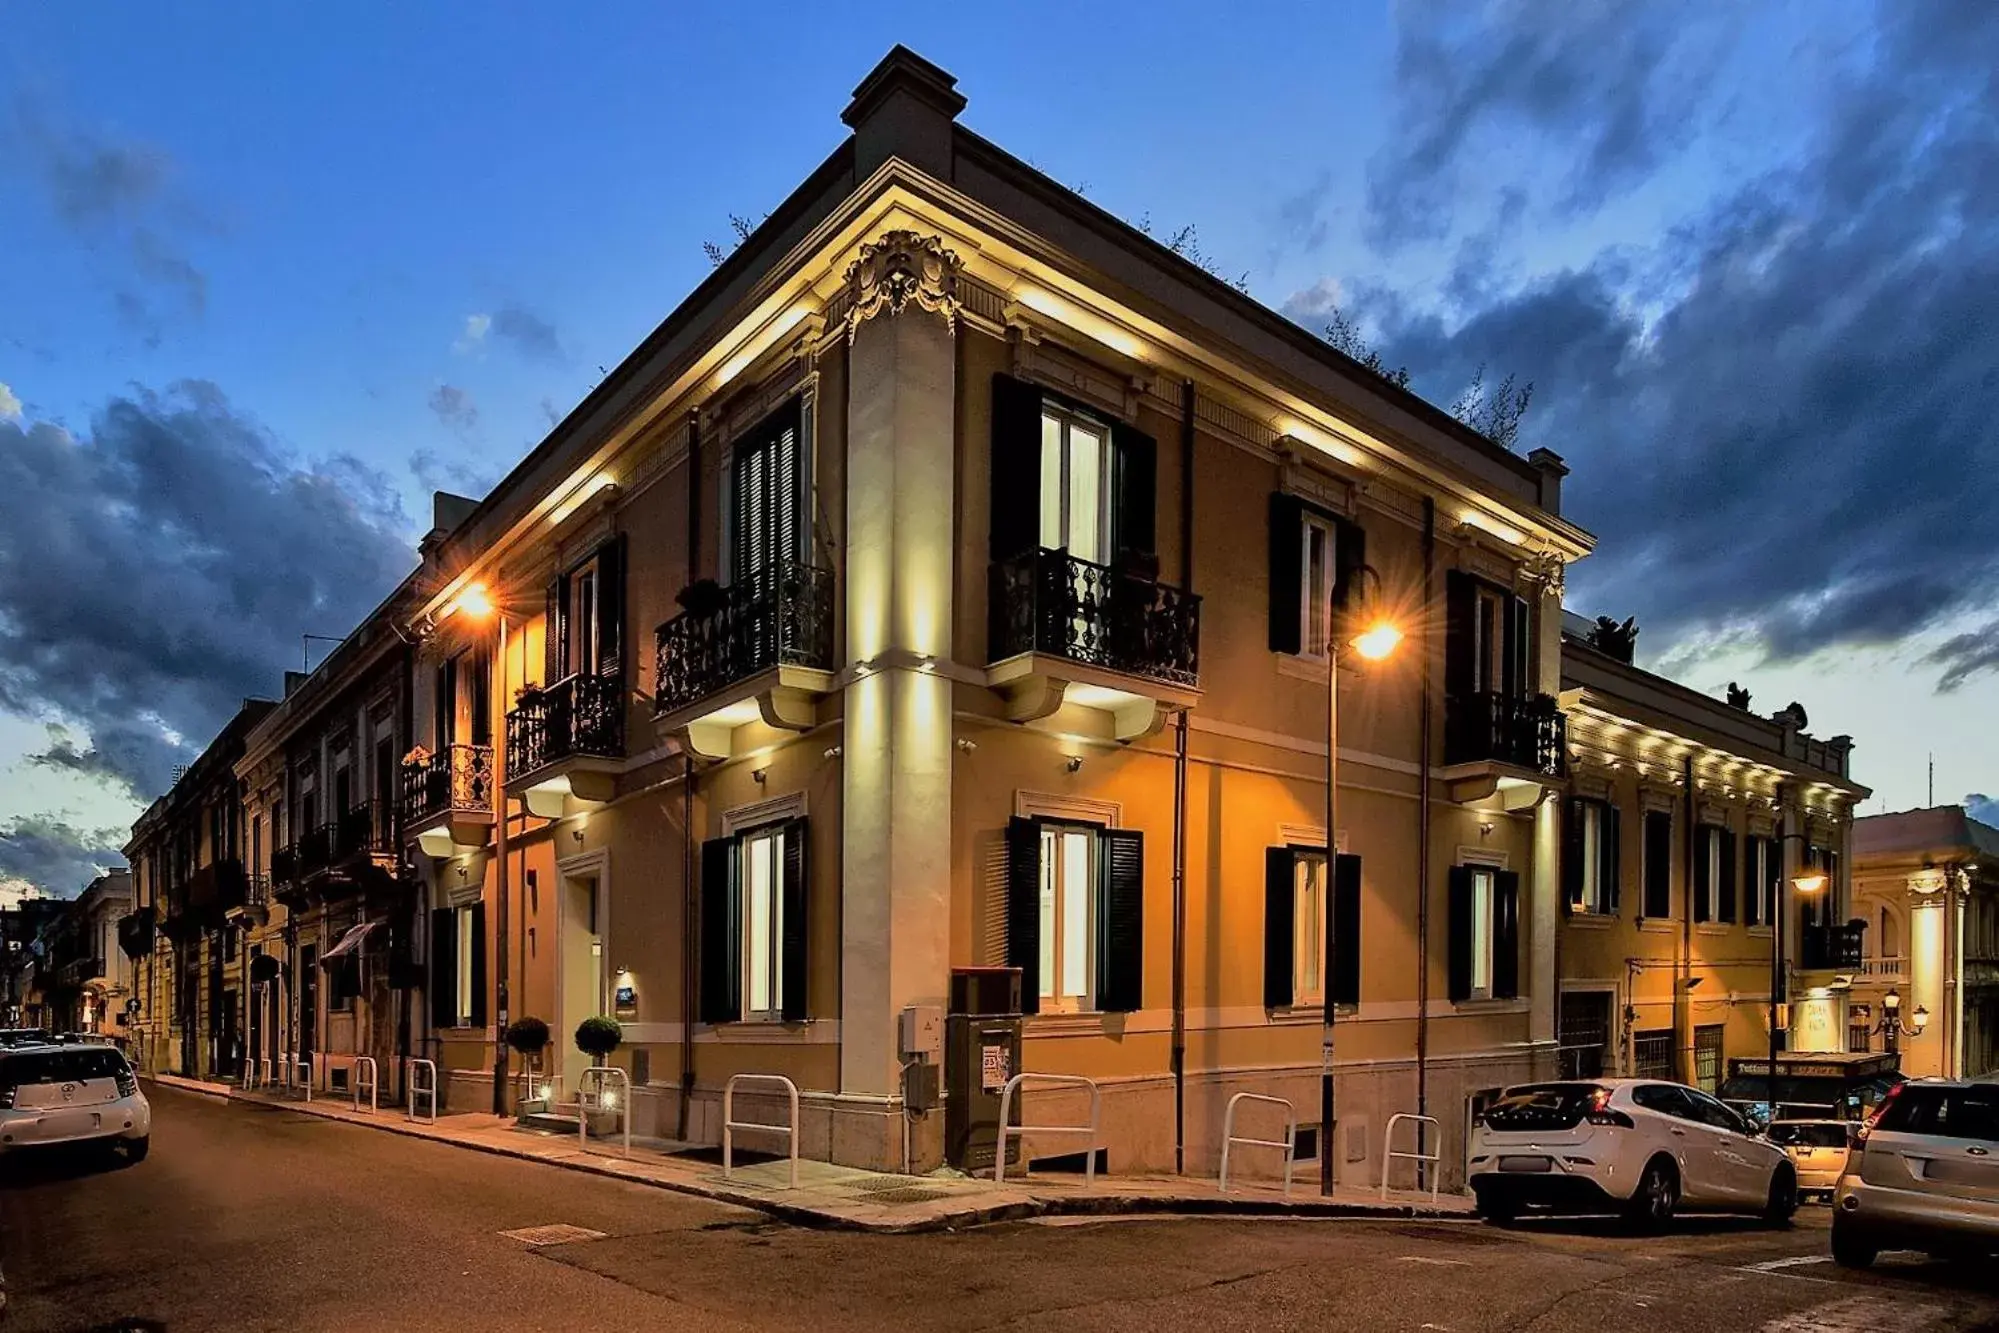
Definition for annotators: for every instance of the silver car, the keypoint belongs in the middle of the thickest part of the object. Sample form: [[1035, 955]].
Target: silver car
[[1924, 1175]]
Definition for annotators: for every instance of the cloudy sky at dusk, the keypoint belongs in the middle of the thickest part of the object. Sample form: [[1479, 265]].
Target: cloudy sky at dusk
[[266, 279]]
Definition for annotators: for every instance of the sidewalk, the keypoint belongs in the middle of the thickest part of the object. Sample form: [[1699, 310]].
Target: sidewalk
[[852, 1199]]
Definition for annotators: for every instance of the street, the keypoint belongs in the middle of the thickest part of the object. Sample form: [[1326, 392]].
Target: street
[[253, 1217]]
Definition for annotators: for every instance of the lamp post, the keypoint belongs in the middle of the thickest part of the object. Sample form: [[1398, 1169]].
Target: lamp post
[[476, 602], [1377, 639], [1893, 1025], [1806, 884]]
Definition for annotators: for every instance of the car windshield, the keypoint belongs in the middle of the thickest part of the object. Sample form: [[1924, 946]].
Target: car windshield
[[1792, 1134], [1542, 1106], [30, 1067], [1957, 1113]]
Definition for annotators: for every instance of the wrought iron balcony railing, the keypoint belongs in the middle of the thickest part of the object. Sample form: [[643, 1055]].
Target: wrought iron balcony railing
[[135, 932], [1044, 601], [367, 829], [582, 715], [315, 849], [1827, 948], [284, 865], [1527, 731], [456, 778], [780, 616]]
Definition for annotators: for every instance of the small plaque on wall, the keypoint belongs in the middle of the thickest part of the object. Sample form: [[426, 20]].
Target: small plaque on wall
[[626, 999]]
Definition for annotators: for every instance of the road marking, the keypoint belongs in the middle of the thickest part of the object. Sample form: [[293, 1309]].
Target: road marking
[[1779, 1265], [555, 1233], [1859, 1314], [1431, 1259]]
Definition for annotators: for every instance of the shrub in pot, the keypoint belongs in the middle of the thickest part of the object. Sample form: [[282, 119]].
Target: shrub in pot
[[597, 1037], [529, 1036]]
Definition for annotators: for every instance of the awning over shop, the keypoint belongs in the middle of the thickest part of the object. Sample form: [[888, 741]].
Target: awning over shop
[[350, 942], [1836, 1085], [263, 969]]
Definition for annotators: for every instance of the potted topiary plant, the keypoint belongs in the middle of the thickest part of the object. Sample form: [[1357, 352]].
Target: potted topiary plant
[[597, 1037], [529, 1036]]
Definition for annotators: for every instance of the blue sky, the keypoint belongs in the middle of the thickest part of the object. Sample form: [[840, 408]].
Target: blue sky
[[390, 244]]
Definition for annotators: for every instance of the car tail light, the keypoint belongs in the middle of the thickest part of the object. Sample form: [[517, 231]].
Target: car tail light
[[128, 1083], [1600, 1111], [1866, 1129]]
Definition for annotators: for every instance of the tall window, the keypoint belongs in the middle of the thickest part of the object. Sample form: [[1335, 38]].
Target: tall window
[[1481, 933], [1887, 946], [1759, 871], [1308, 928], [1068, 913], [1707, 1057], [1652, 1054], [1593, 866], [585, 623], [1489, 639], [754, 913], [469, 945], [766, 484], [1708, 875], [1658, 864], [1484, 933], [763, 924], [1075, 485], [1316, 584]]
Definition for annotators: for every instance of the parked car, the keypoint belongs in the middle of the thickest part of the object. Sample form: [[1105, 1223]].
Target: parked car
[[72, 1093], [1923, 1175], [1818, 1149], [1638, 1147], [24, 1037]]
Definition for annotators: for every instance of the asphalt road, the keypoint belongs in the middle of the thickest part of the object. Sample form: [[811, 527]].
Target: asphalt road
[[261, 1218]]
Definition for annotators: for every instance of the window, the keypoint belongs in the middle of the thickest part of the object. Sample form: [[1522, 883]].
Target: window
[[458, 966], [1313, 559], [1075, 496], [470, 941], [1957, 1113], [754, 915], [1315, 578], [583, 620], [1075, 915], [1591, 864], [1295, 923], [1489, 646], [1859, 1033], [1665, 1098], [1485, 933], [587, 654], [1652, 1055], [1888, 946], [1714, 874], [767, 495], [1759, 880], [1707, 1057], [1582, 1033], [1658, 864]]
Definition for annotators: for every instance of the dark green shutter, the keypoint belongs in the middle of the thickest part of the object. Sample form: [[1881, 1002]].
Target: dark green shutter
[[721, 934], [1519, 681], [1349, 559], [1610, 858], [611, 606], [1016, 469], [1727, 837], [1279, 921], [1023, 908], [443, 968], [1460, 606], [1121, 921], [1658, 865], [446, 703], [1344, 922], [1287, 557], [796, 920], [1505, 934], [1137, 462], [478, 965], [1459, 964], [555, 641], [1702, 878], [1573, 815]]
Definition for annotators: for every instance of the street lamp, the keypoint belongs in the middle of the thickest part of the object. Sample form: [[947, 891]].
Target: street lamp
[[1893, 1025], [1374, 637], [1806, 884], [475, 601]]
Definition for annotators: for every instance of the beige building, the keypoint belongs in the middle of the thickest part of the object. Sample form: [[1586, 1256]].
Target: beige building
[[1926, 889], [1689, 823]]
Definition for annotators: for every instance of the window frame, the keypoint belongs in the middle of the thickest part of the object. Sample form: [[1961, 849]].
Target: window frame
[[1490, 610], [1315, 589], [1058, 917], [1067, 420], [771, 837], [464, 925], [1483, 927], [1309, 906]]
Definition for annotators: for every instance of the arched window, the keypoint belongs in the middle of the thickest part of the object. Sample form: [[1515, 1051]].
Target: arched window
[[1888, 946]]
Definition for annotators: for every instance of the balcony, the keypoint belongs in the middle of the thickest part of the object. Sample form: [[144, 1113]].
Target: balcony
[[135, 933], [566, 743], [356, 849], [1062, 630], [253, 904], [761, 649], [447, 798], [1512, 745], [1832, 948]]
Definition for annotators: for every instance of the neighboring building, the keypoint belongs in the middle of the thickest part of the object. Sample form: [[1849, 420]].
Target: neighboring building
[[100, 969], [189, 876], [1686, 817], [21, 929], [1926, 885]]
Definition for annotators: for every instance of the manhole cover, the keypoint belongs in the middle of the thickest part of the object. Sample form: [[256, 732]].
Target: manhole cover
[[886, 1184], [907, 1195], [556, 1233]]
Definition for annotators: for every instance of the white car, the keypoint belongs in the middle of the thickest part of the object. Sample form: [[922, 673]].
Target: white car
[[1633, 1146], [72, 1093]]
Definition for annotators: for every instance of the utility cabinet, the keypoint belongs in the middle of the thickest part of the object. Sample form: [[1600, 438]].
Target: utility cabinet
[[981, 1052]]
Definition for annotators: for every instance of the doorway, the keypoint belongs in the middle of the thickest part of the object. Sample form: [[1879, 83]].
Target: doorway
[[308, 1001], [580, 970]]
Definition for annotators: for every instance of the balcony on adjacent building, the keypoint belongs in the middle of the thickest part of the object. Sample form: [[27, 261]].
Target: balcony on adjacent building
[[761, 649], [135, 932], [447, 798], [351, 851], [566, 742], [253, 904], [1512, 744], [1832, 948], [1062, 630]]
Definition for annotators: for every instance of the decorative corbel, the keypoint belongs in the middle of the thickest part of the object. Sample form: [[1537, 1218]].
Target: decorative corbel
[[899, 268]]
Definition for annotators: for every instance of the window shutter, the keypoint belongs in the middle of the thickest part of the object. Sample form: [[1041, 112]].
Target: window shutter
[[611, 605], [1279, 918], [1519, 680], [1658, 865], [1016, 471], [478, 965], [1460, 928], [1344, 985], [480, 664], [1610, 859], [796, 920], [555, 632], [1703, 880], [1349, 558], [1023, 908], [1506, 935], [1287, 557], [1727, 837], [445, 701], [721, 934], [1573, 815], [1137, 461], [1460, 606], [1121, 921], [443, 968]]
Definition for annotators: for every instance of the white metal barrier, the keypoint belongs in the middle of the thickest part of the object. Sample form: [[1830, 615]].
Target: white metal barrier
[[374, 1080], [267, 1070], [1006, 1124], [540, 1086], [603, 1099], [301, 1072], [1388, 1153], [416, 1089], [1289, 1143], [730, 1124]]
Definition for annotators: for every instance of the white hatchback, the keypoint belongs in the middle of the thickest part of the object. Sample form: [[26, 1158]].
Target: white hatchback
[[72, 1093], [1633, 1146]]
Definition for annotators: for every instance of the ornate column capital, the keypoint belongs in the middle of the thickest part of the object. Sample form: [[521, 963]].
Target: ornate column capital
[[899, 268]]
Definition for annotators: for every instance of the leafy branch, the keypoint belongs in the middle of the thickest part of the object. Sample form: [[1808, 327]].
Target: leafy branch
[[742, 226], [1493, 412]]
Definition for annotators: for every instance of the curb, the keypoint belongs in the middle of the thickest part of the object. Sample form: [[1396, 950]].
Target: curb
[[1019, 1210]]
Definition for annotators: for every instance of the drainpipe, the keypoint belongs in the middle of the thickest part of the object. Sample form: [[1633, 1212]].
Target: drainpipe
[[500, 757], [1423, 830], [1179, 1054], [1683, 996], [690, 995], [398, 1084]]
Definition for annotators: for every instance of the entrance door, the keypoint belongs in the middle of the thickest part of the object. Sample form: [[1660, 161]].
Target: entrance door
[[253, 1047], [582, 975], [308, 1001]]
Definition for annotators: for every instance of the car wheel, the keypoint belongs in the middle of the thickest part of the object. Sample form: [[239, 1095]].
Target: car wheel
[[1850, 1250], [1658, 1194], [135, 1149], [1783, 1200]]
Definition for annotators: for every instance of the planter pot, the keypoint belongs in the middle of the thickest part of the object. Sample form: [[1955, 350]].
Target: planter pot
[[603, 1124], [530, 1106]]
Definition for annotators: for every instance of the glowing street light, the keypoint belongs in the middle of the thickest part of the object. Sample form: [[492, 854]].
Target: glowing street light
[[475, 601], [1378, 641]]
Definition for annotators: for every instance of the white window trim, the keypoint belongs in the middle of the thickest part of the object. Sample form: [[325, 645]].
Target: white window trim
[[1489, 948], [1068, 809], [1056, 1002], [773, 811], [1309, 606], [463, 926], [1483, 856], [749, 837], [1311, 835], [1070, 417], [1592, 904]]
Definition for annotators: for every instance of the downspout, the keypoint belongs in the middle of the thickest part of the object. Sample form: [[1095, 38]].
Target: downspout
[[1683, 994], [689, 959], [397, 1087], [1180, 800], [1423, 826], [500, 993]]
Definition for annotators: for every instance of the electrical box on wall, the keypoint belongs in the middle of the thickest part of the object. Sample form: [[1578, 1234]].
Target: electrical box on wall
[[922, 1032]]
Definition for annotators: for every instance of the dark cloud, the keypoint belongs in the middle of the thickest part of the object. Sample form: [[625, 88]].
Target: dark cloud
[[460, 476], [1982, 808], [530, 334], [454, 407], [1782, 419], [158, 571], [49, 852], [1963, 656]]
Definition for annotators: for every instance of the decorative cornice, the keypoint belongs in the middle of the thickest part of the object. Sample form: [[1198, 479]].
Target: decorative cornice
[[899, 268]]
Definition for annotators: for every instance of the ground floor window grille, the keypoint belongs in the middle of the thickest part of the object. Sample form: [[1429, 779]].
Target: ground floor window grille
[[1652, 1054], [1583, 1034], [1707, 1058]]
